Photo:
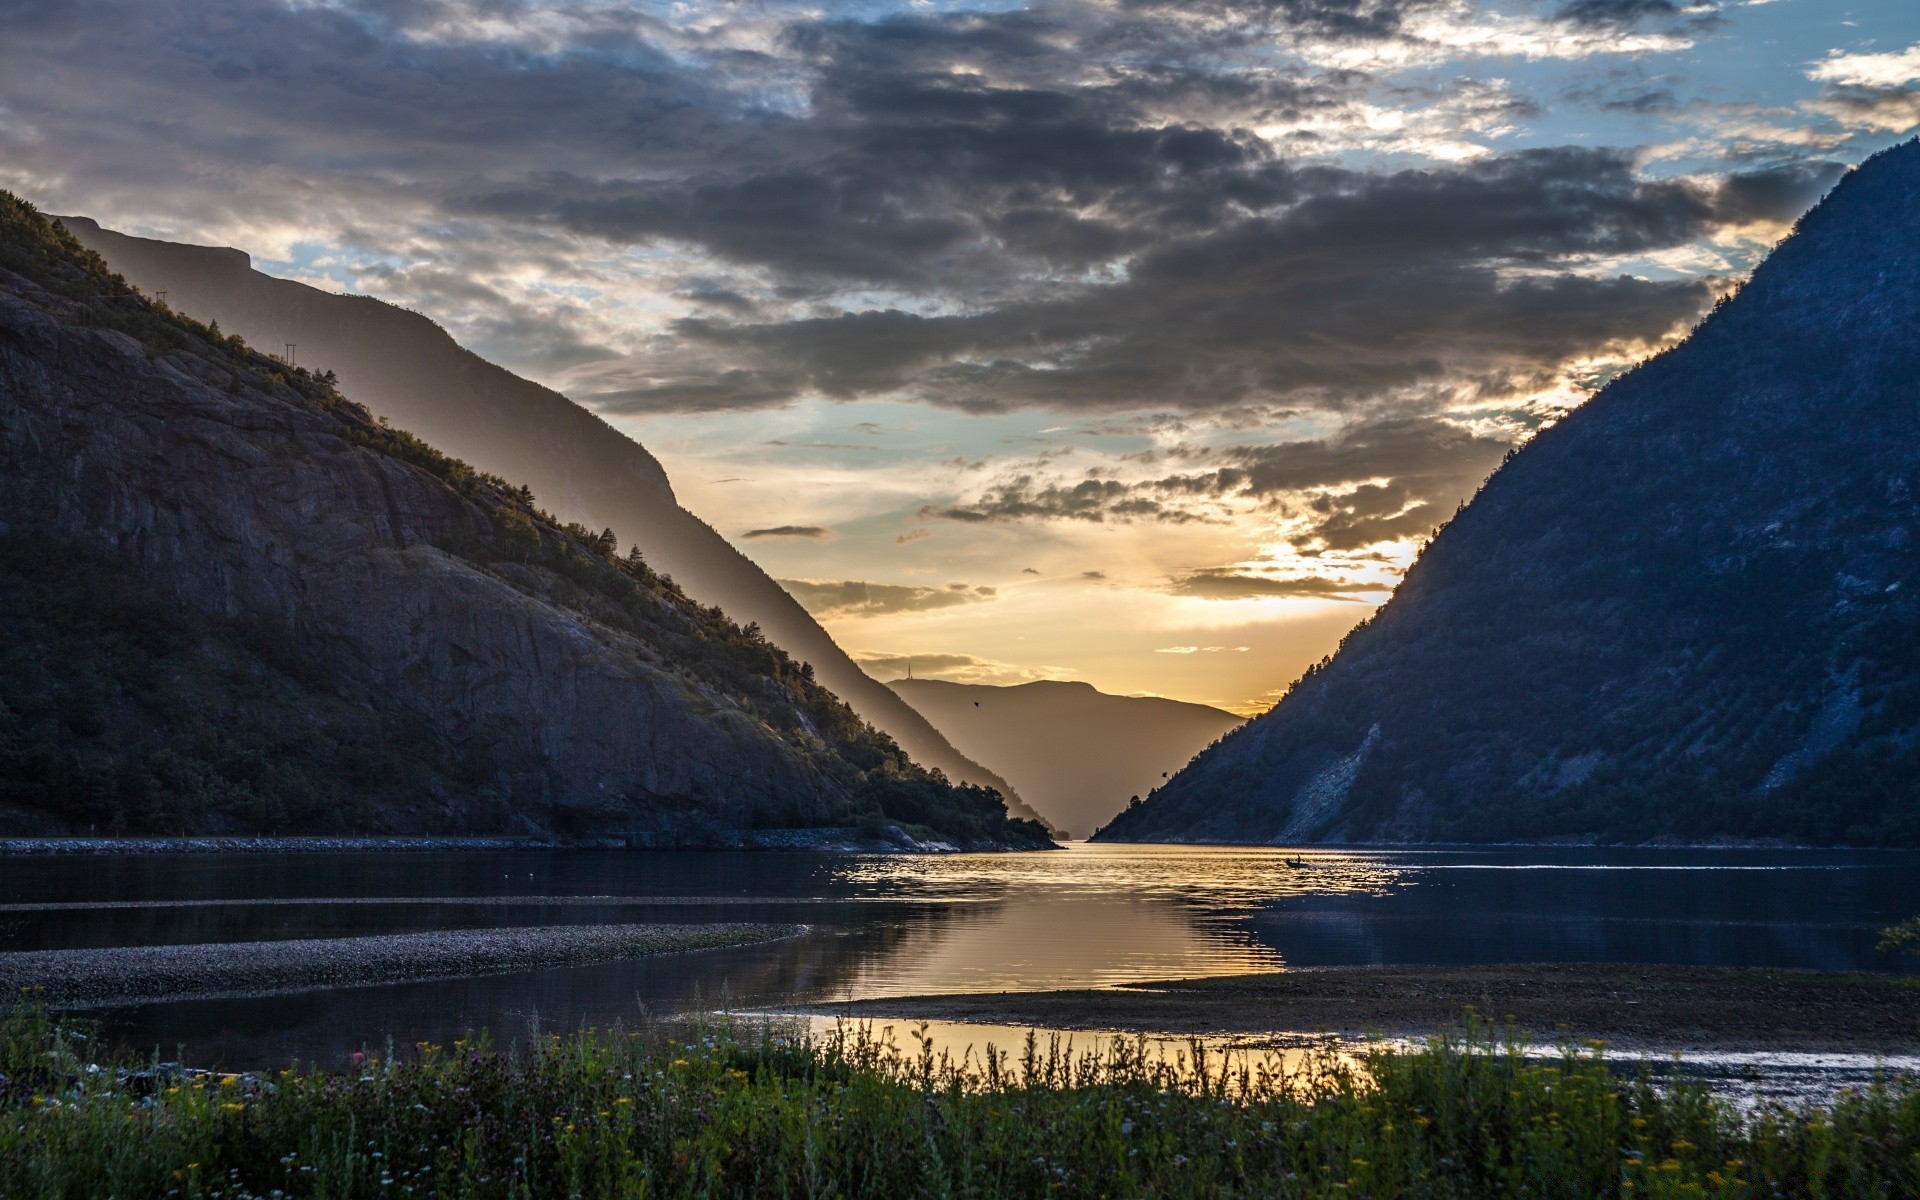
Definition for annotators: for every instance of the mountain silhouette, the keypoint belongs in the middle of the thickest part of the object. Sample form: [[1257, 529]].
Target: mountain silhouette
[[231, 601], [407, 369], [1077, 754], [1688, 611]]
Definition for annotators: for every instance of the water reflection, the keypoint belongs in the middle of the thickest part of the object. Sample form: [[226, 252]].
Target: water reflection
[[1091, 916]]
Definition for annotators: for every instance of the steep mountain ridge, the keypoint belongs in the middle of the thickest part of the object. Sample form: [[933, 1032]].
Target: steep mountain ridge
[[1690, 610], [408, 370], [235, 602], [1074, 751]]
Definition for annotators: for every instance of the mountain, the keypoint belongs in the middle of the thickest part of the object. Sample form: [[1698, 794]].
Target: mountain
[[1075, 753], [1690, 610], [233, 601], [407, 370]]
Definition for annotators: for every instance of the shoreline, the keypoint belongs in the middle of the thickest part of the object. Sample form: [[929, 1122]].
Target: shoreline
[[127, 976], [1631, 1007], [825, 840]]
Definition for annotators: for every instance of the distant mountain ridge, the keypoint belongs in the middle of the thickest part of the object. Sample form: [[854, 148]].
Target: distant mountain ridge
[[408, 370], [1690, 610], [1077, 754], [233, 602]]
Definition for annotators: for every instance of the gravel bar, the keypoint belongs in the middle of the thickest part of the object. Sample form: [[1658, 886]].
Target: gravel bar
[[1630, 1005], [141, 974], [262, 845]]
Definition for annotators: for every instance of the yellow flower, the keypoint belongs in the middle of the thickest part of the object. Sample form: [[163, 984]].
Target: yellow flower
[[624, 1100], [231, 1107]]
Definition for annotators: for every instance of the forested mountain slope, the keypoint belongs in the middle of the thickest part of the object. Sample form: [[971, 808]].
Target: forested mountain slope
[[1691, 610], [233, 601], [407, 369]]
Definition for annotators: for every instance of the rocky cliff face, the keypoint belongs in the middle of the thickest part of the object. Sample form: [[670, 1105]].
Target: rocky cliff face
[[293, 605], [1690, 610], [406, 369]]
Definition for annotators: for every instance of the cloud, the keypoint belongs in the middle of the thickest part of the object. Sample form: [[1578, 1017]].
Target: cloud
[[1022, 499], [1093, 576], [1626, 14], [786, 531], [1882, 110], [1339, 285], [856, 598], [956, 668], [1068, 205], [1228, 583], [1869, 70], [1385, 479], [1879, 92], [912, 535]]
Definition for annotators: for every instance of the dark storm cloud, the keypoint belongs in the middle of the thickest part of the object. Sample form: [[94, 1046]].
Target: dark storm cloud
[[857, 598], [911, 159], [1070, 195], [1361, 283]]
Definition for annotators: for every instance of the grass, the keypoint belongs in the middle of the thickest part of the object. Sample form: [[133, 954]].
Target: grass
[[723, 1111]]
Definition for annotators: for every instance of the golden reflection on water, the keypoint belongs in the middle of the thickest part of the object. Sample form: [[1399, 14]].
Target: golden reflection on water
[[1221, 875], [1286, 1061], [1093, 916]]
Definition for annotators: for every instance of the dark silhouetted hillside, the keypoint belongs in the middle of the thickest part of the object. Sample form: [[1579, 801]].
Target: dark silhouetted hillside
[[406, 369], [1076, 754], [1691, 610], [233, 601]]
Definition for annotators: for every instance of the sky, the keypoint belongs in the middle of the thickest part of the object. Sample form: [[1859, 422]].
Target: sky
[[1135, 342]]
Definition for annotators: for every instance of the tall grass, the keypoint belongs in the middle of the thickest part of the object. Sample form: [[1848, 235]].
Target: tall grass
[[723, 1111]]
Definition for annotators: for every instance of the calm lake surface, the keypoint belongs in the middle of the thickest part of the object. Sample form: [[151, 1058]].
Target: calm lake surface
[[1088, 916]]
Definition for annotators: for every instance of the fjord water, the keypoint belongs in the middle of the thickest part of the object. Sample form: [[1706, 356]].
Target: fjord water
[[1087, 916]]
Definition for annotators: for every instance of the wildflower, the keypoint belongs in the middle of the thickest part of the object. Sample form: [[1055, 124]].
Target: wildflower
[[624, 1100], [231, 1107]]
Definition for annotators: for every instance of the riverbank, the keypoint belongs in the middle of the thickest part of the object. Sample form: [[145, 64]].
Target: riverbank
[[104, 978], [718, 1112], [1632, 1007]]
